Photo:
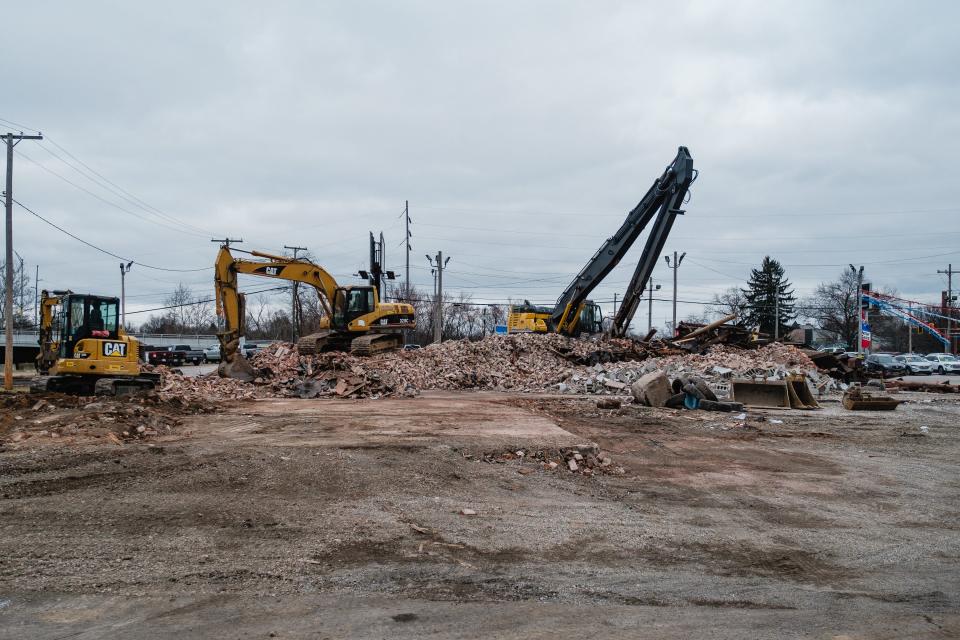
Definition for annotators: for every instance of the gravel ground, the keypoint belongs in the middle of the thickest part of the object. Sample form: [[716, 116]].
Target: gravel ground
[[338, 519]]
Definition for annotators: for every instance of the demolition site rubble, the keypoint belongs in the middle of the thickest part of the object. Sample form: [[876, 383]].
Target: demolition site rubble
[[525, 363]]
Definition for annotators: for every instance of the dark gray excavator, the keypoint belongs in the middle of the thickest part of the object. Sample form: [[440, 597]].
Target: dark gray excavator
[[663, 201]]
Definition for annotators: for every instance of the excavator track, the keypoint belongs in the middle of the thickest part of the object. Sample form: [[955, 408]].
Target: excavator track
[[123, 386], [314, 343], [87, 385], [374, 343]]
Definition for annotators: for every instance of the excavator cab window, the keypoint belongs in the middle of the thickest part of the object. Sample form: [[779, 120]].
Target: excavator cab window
[[591, 318], [350, 304], [86, 317]]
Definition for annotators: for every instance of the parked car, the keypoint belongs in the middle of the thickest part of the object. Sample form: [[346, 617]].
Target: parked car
[[196, 356], [944, 363], [168, 356], [212, 354], [916, 365], [411, 347], [250, 349], [885, 365]]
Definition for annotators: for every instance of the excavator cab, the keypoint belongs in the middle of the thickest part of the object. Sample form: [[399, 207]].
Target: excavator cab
[[350, 303], [85, 316], [591, 318]]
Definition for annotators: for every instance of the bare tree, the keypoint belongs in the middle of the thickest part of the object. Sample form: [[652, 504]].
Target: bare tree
[[23, 296], [731, 301], [834, 307]]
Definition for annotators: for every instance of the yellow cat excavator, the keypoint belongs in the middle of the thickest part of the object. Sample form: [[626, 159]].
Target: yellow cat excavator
[[84, 350], [355, 320]]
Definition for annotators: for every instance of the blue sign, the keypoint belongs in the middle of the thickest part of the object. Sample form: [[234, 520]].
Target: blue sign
[[500, 329]]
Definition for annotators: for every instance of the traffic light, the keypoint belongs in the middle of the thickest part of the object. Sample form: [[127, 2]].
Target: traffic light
[[864, 288]]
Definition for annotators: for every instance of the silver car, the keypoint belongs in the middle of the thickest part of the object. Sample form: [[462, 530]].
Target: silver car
[[212, 354], [915, 364], [944, 363]]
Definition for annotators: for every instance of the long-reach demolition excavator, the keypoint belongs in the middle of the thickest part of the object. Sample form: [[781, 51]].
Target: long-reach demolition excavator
[[573, 314], [355, 320], [84, 350]]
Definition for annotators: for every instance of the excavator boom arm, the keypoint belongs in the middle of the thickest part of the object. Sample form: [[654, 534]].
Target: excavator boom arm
[[675, 178], [668, 211]]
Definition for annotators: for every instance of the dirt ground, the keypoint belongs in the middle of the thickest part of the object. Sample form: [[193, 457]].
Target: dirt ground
[[333, 519]]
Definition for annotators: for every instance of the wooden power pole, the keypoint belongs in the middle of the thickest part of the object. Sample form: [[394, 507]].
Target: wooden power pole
[[11, 140]]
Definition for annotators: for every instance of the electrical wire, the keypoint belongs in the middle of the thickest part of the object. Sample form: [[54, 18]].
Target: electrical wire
[[205, 301], [101, 250], [105, 201], [107, 184]]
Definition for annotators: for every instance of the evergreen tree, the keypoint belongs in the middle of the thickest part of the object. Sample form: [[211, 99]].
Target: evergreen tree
[[769, 292]]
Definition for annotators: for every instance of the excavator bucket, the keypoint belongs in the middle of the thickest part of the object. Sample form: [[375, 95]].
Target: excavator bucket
[[792, 393], [232, 363], [760, 393]]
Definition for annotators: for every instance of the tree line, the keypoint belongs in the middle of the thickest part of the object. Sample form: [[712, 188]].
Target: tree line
[[768, 301]]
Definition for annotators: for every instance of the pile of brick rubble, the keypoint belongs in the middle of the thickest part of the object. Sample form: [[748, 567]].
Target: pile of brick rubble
[[517, 363]]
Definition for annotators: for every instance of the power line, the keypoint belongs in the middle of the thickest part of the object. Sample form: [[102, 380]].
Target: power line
[[204, 301], [105, 201], [107, 184], [101, 250], [765, 214]]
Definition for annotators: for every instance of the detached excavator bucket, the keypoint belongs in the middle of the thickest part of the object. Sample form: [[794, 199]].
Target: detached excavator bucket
[[760, 393], [792, 393], [800, 395], [233, 364]]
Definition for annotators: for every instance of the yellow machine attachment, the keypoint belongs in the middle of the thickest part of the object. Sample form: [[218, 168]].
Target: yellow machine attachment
[[355, 319], [84, 350]]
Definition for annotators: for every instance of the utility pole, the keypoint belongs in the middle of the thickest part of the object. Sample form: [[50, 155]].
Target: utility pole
[[406, 216], [226, 241], [675, 266], [438, 295], [949, 272], [36, 299], [614, 304], [23, 287], [651, 288], [9, 139], [294, 301], [124, 270], [776, 313], [859, 308]]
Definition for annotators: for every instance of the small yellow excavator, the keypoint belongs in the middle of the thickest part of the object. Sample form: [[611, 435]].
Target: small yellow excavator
[[84, 350], [355, 320]]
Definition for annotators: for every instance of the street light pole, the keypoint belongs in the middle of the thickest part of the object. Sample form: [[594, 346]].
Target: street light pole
[[675, 266], [124, 270], [651, 288]]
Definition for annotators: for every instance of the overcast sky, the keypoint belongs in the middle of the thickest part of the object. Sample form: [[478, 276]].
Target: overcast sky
[[521, 133]]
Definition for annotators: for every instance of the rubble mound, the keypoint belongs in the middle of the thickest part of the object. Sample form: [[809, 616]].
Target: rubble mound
[[519, 363]]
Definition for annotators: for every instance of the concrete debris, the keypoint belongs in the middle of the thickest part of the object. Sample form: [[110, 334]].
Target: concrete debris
[[585, 459], [652, 389], [521, 363], [68, 419]]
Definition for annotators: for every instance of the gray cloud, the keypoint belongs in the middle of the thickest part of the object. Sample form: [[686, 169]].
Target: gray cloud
[[520, 132]]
